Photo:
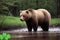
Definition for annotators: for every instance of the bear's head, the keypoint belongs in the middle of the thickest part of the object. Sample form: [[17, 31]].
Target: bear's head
[[25, 14]]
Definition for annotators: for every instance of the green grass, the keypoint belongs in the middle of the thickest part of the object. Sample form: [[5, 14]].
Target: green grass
[[55, 20], [10, 20]]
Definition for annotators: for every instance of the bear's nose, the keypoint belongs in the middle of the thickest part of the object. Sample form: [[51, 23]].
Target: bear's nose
[[21, 19]]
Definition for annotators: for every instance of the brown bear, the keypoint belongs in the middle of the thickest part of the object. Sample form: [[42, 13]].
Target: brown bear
[[35, 18]]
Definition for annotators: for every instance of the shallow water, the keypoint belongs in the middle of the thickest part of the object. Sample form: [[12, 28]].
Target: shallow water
[[23, 34], [55, 29]]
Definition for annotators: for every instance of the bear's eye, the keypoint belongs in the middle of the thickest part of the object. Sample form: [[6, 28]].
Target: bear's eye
[[27, 12], [23, 16]]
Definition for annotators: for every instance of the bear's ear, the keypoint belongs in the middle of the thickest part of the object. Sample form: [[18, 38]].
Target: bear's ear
[[27, 12], [31, 10], [20, 11]]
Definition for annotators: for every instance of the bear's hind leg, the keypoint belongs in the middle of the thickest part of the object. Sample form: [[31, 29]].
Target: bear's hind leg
[[45, 26]]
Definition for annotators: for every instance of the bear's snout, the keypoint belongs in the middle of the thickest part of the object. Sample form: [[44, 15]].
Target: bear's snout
[[21, 20]]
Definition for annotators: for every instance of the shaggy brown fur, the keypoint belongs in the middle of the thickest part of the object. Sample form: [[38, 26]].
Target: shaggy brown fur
[[35, 18]]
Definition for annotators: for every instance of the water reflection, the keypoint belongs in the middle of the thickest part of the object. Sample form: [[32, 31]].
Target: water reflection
[[36, 36], [23, 34]]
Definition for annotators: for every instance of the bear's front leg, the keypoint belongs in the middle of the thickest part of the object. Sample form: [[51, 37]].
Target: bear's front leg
[[29, 26], [35, 26]]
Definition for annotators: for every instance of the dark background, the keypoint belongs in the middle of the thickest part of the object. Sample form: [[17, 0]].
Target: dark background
[[12, 7]]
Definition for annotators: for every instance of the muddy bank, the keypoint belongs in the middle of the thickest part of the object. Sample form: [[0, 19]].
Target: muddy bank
[[55, 25], [10, 27]]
